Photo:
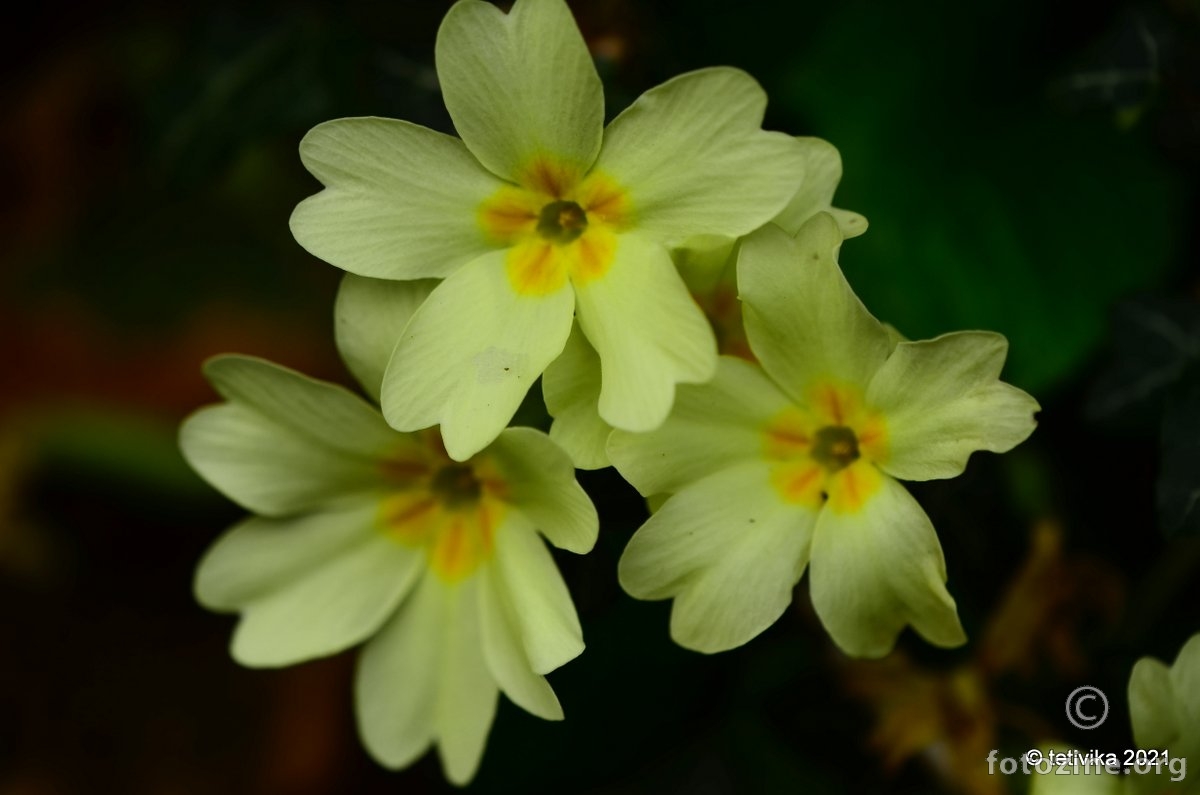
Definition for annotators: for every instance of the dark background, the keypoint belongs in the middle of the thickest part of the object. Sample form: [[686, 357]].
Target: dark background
[[1027, 167]]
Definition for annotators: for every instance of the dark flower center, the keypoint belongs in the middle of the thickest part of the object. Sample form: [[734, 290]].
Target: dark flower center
[[835, 447], [562, 222], [456, 486]]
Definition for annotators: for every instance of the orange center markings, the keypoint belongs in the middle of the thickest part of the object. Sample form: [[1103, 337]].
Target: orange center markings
[[826, 454], [450, 509], [557, 226]]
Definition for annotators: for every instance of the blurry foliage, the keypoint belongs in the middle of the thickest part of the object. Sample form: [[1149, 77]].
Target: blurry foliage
[[1155, 340], [999, 213], [1156, 372], [150, 155]]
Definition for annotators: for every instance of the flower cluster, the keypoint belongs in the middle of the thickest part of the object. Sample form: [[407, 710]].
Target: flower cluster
[[673, 280]]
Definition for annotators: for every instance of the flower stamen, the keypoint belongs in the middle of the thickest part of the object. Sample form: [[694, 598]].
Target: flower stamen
[[835, 447], [456, 486], [562, 222]]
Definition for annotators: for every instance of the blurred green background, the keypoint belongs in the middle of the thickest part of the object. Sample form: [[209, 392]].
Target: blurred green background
[[1026, 167]]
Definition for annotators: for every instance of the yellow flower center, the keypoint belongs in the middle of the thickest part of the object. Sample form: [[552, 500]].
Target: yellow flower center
[[450, 509], [557, 225], [826, 452]]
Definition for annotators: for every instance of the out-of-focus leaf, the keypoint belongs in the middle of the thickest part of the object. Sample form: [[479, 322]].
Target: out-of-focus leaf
[[1122, 70], [236, 78], [1179, 481], [123, 448], [987, 210], [1154, 340]]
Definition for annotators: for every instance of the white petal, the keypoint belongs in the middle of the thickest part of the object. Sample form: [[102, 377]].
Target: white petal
[[728, 549], [694, 160], [467, 692], [369, 317], [822, 173], [711, 427], [284, 443], [1185, 677], [943, 400], [706, 263], [541, 484], [326, 412], [533, 593], [398, 679], [1152, 705], [648, 331], [423, 679], [506, 658], [878, 569], [521, 84], [803, 321], [400, 201], [1164, 703], [470, 353], [328, 606], [267, 467], [257, 556], [571, 388]]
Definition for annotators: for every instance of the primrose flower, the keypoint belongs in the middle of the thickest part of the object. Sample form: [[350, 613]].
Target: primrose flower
[[795, 461], [572, 382], [366, 534], [539, 215]]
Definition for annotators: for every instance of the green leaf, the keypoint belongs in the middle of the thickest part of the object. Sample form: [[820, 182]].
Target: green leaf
[[116, 447], [987, 209]]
